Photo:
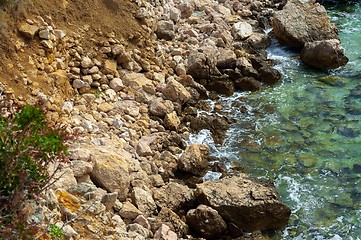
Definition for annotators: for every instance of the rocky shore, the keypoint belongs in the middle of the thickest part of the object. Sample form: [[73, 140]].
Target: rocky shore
[[133, 102]]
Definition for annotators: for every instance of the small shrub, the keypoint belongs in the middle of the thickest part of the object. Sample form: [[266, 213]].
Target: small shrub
[[27, 146], [55, 232]]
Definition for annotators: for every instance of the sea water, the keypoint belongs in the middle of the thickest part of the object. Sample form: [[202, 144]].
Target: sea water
[[304, 133]]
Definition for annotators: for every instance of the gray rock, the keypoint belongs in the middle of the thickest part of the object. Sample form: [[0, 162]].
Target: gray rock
[[206, 222], [59, 34], [139, 229], [165, 30], [241, 30], [45, 34], [109, 200], [324, 54]]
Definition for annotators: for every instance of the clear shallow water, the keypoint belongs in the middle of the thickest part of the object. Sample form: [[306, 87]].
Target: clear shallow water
[[305, 134]]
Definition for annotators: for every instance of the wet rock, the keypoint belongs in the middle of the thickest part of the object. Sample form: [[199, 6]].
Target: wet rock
[[245, 203], [269, 75], [194, 159], [324, 54], [221, 85], [206, 222], [216, 124], [302, 21], [165, 30], [247, 84]]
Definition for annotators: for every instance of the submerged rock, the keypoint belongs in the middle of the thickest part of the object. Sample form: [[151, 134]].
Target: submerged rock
[[244, 203]]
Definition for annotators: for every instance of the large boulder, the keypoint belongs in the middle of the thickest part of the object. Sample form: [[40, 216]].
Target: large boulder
[[302, 21], [244, 203], [324, 54]]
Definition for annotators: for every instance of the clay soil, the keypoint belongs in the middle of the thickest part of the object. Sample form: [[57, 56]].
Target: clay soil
[[104, 16]]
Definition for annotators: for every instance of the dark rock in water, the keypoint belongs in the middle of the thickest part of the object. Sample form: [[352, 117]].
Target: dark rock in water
[[324, 54], [336, 2], [247, 84], [206, 222], [269, 75], [216, 124], [244, 203], [348, 132], [353, 111], [356, 168], [304, 24], [221, 85]]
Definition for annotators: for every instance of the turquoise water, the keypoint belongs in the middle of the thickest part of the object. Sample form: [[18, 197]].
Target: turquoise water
[[305, 134]]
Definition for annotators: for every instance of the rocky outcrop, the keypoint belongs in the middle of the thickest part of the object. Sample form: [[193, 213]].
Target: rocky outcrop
[[324, 54], [302, 21], [245, 204], [304, 24], [133, 103]]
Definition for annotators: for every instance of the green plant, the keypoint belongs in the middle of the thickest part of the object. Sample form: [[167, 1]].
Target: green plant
[[27, 145], [55, 232]]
